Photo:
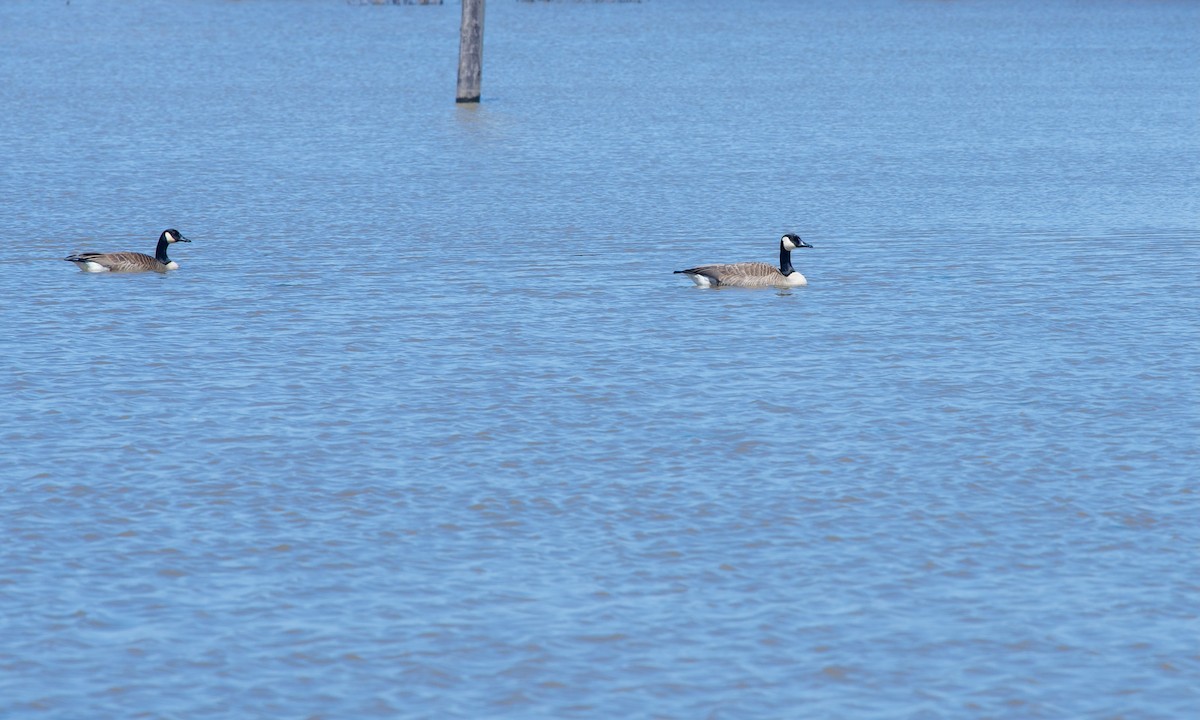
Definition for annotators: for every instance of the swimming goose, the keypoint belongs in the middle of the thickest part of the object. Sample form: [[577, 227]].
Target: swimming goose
[[131, 261], [753, 274]]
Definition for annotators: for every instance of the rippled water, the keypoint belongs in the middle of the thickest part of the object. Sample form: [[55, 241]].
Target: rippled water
[[425, 426]]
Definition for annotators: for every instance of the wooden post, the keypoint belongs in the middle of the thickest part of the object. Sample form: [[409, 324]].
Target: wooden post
[[470, 51]]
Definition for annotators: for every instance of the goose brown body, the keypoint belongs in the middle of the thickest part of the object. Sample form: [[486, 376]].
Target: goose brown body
[[746, 274]]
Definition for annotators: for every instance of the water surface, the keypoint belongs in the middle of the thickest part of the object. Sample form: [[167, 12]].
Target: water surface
[[425, 427]]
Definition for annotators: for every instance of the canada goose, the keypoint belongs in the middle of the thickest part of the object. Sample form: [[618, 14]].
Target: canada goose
[[131, 261], [753, 274]]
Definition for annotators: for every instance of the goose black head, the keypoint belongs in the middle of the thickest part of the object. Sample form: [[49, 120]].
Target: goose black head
[[172, 235], [791, 241]]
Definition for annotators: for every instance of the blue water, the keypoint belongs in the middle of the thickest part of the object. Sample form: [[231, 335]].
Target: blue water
[[425, 427]]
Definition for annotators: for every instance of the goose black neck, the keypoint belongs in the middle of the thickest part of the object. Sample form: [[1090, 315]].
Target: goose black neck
[[160, 254], [785, 261]]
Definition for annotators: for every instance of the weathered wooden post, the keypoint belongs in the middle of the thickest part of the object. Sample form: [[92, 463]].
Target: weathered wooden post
[[470, 51]]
